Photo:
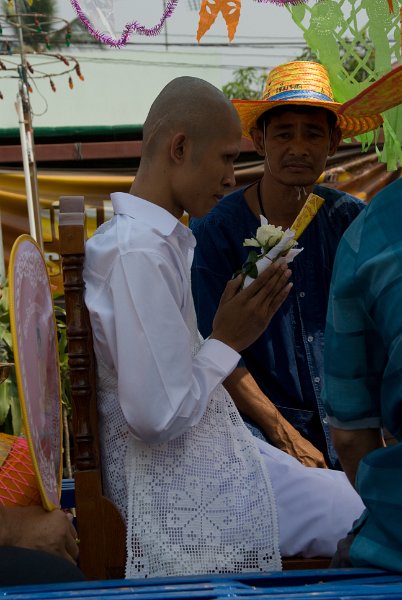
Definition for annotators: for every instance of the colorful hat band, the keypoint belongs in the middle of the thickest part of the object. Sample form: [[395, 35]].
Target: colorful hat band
[[300, 95]]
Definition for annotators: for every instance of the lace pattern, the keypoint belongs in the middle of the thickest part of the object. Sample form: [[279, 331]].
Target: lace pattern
[[113, 434], [202, 503]]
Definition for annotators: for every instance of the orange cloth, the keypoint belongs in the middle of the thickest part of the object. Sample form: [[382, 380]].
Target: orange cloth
[[18, 486]]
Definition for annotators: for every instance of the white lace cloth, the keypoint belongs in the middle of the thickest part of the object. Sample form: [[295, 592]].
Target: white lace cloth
[[113, 435], [201, 503]]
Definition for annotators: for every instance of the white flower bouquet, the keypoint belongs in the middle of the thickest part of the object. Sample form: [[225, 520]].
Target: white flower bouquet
[[274, 243]]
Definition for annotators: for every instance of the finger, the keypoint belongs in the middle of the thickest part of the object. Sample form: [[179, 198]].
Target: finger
[[266, 279], [275, 284], [231, 289], [278, 284], [72, 548], [273, 303], [73, 531]]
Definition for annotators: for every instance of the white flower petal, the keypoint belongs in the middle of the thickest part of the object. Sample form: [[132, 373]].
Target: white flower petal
[[251, 242]]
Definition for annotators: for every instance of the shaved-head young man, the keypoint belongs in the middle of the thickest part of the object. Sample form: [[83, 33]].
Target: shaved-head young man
[[197, 490]]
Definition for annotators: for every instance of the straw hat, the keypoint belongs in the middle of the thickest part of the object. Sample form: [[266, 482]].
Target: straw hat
[[303, 83]]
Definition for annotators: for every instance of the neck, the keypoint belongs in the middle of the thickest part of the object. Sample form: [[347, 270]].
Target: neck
[[152, 190], [281, 204]]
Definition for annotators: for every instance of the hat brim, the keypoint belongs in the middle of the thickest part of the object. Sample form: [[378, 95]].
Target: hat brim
[[250, 110]]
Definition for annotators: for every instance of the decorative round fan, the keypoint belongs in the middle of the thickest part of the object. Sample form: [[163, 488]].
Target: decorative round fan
[[36, 360]]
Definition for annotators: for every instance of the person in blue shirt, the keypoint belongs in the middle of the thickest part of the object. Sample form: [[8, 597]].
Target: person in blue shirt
[[363, 377], [277, 384]]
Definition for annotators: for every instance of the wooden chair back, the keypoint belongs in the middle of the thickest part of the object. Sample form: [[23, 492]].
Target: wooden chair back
[[101, 528]]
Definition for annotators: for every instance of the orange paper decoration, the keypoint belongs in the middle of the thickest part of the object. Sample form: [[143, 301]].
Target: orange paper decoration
[[210, 9], [18, 484]]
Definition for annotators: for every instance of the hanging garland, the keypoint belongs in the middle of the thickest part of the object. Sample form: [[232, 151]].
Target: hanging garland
[[129, 29], [91, 12]]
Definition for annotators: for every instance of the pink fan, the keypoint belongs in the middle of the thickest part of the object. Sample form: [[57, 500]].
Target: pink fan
[[36, 360]]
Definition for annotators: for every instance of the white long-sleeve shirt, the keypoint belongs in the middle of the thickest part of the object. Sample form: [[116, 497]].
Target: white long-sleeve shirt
[[197, 496], [137, 289]]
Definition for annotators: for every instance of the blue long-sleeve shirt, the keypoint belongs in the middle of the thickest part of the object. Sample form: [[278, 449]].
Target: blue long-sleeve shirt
[[287, 360]]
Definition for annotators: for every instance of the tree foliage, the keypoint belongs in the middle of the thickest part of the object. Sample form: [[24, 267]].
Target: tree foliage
[[248, 84]]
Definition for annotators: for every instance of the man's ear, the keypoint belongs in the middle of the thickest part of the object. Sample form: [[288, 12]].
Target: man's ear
[[178, 147], [335, 140], [258, 139]]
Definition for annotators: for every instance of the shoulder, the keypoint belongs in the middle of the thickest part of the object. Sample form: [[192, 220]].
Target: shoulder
[[339, 210], [338, 200], [122, 237], [380, 227], [386, 203]]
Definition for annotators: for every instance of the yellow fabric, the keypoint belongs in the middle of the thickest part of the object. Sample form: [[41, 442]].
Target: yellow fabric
[[307, 214], [95, 187], [13, 205]]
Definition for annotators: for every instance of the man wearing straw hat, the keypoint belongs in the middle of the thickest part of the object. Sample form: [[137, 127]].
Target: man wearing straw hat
[[295, 127]]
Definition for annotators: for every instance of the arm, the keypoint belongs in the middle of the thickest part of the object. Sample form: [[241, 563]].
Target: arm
[[164, 390], [251, 401], [352, 445], [362, 339], [32, 527]]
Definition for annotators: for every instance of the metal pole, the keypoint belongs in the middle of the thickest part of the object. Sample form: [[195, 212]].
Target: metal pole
[[26, 159], [27, 142], [165, 27]]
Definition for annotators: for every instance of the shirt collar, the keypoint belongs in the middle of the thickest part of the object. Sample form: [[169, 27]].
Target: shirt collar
[[149, 213]]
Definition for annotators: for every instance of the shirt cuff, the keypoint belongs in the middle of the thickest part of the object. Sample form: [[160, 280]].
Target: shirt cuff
[[220, 354], [367, 423]]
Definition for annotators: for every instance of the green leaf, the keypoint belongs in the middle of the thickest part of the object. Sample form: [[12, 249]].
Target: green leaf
[[252, 256], [16, 416], [5, 399], [253, 272]]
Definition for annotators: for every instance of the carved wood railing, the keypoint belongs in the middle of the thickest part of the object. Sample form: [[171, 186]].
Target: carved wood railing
[[100, 526]]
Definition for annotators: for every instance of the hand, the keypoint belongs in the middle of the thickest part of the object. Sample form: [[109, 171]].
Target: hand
[[244, 314], [285, 437], [33, 527]]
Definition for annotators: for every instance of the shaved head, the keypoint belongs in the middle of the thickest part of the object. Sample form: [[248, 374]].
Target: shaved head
[[190, 105], [191, 138]]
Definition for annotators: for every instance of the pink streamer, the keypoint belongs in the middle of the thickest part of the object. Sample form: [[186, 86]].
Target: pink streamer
[[282, 2], [128, 30]]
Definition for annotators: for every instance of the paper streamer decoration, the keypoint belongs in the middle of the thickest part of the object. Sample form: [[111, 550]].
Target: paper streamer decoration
[[343, 34], [210, 9], [33, 329], [98, 16]]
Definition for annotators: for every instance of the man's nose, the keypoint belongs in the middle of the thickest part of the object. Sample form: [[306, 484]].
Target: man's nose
[[298, 146], [229, 180]]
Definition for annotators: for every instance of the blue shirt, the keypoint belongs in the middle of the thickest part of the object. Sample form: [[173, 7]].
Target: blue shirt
[[287, 360], [363, 367]]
